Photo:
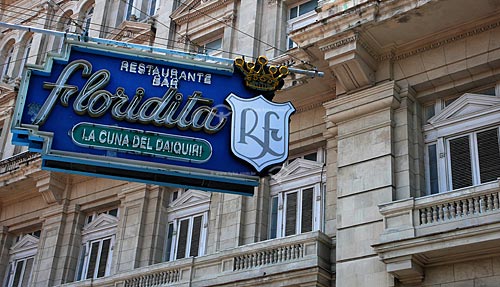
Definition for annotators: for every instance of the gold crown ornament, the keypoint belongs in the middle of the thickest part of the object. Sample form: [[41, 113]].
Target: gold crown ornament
[[261, 77]]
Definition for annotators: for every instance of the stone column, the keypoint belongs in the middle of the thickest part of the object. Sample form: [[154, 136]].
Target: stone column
[[248, 21], [365, 178], [330, 208], [5, 244], [130, 233], [58, 248], [154, 227]]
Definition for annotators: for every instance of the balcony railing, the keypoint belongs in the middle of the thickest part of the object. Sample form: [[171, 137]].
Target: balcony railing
[[309, 250], [15, 162], [441, 212]]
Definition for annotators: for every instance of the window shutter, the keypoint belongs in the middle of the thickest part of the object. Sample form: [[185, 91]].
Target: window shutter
[[169, 241], [433, 169], [291, 213], [103, 259], [18, 273], [195, 236], [461, 168], [274, 218], [27, 272], [489, 155], [94, 250], [307, 210], [182, 239]]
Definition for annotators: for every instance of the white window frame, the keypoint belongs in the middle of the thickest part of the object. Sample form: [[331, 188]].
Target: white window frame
[[25, 248], [175, 237], [190, 204], [282, 209], [102, 226], [474, 156], [447, 125], [26, 55], [298, 21], [312, 175], [87, 247], [212, 52], [8, 61]]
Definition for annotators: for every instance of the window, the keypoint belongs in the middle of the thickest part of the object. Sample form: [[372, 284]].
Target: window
[[299, 16], [212, 48], [185, 237], [9, 57], [22, 257], [463, 144], [87, 19], [26, 55], [129, 9], [152, 7], [296, 204], [187, 225], [474, 158], [98, 236], [302, 9], [65, 26], [97, 258]]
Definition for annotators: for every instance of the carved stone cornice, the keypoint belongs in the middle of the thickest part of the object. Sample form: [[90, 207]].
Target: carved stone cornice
[[347, 107], [436, 44], [350, 61], [200, 11]]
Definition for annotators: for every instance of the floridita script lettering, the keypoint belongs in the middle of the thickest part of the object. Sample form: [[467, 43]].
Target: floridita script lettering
[[95, 101]]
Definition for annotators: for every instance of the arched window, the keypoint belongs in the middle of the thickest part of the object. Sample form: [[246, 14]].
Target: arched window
[[63, 25], [8, 60], [87, 19], [26, 54]]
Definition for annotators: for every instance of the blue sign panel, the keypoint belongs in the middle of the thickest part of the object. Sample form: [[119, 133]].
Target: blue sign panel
[[143, 117]]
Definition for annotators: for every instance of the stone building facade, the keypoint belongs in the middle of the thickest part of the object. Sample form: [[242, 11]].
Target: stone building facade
[[394, 167]]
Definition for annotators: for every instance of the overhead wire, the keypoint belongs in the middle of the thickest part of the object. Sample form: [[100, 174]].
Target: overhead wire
[[171, 41], [243, 32]]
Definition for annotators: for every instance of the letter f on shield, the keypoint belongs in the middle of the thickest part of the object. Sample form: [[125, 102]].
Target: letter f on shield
[[259, 130]]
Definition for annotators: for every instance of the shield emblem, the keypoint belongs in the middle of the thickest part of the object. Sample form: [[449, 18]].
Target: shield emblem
[[259, 130]]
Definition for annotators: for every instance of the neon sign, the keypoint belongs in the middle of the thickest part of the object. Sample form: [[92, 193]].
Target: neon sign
[[144, 117]]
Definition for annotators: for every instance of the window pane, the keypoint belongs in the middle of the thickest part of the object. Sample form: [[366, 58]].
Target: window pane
[[307, 7], [214, 46], [489, 155], [152, 7], [183, 233], [274, 217], [433, 169], [291, 213], [293, 12], [169, 241], [94, 249], [103, 260], [27, 272], [312, 156], [307, 210], [461, 169], [18, 273], [195, 236]]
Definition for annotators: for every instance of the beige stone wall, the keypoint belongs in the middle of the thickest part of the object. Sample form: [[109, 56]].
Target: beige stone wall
[[474, 273]]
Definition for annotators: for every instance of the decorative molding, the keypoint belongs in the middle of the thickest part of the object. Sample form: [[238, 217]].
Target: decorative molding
[[50, 185], [340, 43], [197, 12], [434, 45], [228, 19]]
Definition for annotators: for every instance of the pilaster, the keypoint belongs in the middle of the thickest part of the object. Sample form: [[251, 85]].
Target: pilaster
[[364, 122], [5, 244], [129, 235], [60, 237]]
